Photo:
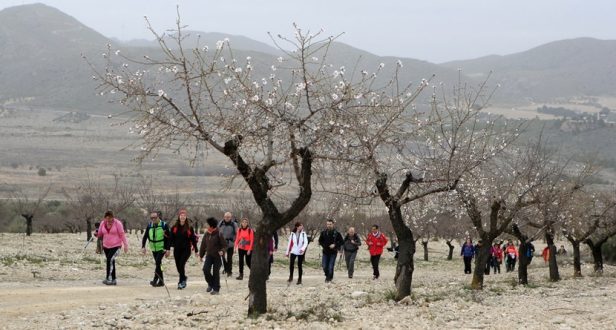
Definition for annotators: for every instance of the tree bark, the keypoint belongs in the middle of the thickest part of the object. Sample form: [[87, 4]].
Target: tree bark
[[554, 275], [259, 272], [28, 218], [451, 247], [577, 265], [523, 263], [425, 249], [481, 261], [88, 229], [597, 254]]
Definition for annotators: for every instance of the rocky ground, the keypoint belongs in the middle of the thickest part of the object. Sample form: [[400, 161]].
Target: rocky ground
[[50, 281]]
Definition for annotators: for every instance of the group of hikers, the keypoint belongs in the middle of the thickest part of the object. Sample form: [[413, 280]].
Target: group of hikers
[[222, 239], [498, 252]]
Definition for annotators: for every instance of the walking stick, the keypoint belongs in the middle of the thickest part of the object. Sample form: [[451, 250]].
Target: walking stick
[[224, 272], [87, 243]]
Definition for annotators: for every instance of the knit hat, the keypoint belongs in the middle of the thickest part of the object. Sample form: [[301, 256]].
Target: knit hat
[[182, 212]]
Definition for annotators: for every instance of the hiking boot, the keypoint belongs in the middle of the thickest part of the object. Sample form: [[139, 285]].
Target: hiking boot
[[299, 281], [214, 292], [229, 274], [180, 286], [160, 283], [106, 281], [290, 279], [183, 284], [209, 289], [113, 282], [241, 277]]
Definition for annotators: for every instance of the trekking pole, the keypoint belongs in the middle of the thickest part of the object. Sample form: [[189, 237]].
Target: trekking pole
[[87, 243], [224, 272], [164, 284]]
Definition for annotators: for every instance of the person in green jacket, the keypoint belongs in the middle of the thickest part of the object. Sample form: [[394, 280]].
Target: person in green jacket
[[157, 233]]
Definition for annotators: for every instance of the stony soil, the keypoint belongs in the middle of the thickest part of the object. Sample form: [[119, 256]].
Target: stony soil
[[67, 293]]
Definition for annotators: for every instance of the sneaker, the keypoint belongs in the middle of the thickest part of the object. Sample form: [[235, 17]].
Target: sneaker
[[299, 281], [290, 279], [214, 292], [209, 289], [106, 281], [180, 286], [153, 283], [241, 277], [183, 284], [229, 274], [113, 282], [350, 276], [160, 283]]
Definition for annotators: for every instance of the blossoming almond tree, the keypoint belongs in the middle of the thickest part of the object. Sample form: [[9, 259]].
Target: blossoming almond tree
[[275, 124]]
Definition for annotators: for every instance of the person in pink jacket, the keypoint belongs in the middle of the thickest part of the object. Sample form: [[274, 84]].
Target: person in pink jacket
[[112, 233]]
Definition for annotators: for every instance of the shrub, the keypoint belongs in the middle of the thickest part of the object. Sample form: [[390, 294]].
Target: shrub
[[609, 251], [42, 171]]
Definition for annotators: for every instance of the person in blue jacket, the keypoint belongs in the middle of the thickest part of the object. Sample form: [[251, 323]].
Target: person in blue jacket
[[467, 252]]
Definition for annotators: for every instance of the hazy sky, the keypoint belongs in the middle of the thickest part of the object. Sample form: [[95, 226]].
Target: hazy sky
[[433, 30]]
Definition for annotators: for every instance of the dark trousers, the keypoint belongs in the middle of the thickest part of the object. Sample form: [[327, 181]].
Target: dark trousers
[[349, 258], [328, 262], [228, 261], [158, 271], [374, 260], [181, 256], [300, 261], [467, 265], [243, 254], [110, 255], [510, 264], [211, 270], [495, 265]]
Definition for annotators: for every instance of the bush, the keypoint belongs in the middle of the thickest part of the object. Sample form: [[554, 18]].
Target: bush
[[42, 171]]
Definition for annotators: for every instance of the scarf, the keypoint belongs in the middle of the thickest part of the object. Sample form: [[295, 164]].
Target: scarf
[[377, 234], [211, 230]]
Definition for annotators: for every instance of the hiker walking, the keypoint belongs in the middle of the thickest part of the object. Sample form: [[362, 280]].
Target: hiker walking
[[157, 233], [298, 242], [112, 234], [376, 241], [350, 247], [331, 241], [243, 243], [467, 252], [212, 250], [511, 254], [497, 257], [228, 229], [183, 240]]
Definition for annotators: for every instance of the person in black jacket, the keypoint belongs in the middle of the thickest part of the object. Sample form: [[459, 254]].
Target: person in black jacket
[[331, 241], [351, 245], [157, 233], [183, 240]]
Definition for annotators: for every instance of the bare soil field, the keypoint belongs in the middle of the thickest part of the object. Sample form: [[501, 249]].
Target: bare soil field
[[67, 293]]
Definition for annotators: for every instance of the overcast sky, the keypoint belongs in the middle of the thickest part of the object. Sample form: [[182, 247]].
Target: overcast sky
[[433, 30]]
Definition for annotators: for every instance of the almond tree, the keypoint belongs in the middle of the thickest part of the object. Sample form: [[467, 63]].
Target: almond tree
[[273, 123], [605, 230], [406, 151], [28, 208]]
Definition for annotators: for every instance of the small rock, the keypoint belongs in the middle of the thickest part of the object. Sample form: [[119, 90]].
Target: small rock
[[406, 301], [357, 294]]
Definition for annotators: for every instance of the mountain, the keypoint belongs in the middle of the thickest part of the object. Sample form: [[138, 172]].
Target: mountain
[[574, 67]]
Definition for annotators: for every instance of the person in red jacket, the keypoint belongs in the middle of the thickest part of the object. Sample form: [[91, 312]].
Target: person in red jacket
[[243, 244], [376, 241]]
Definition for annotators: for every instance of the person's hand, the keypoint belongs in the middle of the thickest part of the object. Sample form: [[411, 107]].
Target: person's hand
[[331, 246], [286, 254], [126, 249], [167, 253], [221, 253], [248, 252], [301, 251], [369, 243], [143, 250]]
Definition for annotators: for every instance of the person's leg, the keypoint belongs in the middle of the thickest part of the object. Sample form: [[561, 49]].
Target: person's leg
[[291, 266], [332, 265], [300, 271], [374, 265], [248, 258], [241, 254], [352, 263], [378, 260], [229, 261], [113, 263], [158, 271], [108, 256], [216, 274], [207, 272], [179, 263]]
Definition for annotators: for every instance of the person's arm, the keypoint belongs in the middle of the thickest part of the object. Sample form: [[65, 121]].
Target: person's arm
[[166, 238], [145, 237], [236, 243], [251, 237], [304, 240], [123, 236], [202, 249], [222, 244], [193, 239], [275, 240]]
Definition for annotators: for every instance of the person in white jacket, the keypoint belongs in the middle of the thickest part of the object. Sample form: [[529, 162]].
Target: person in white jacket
[[298, 242]]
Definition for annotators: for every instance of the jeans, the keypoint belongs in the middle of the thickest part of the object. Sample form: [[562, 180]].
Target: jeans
[[229, 261], [374, 260], [181, 257], [211, 270], [328, 263], [158, 259], [243, 254], [300, 261], [349, 258], [110, 255]]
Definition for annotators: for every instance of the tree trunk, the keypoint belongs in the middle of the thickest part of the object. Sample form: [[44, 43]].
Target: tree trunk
[[597, 255], [577, 265], [259, 271], [523, 263], [406, 250], [425, 249], [88, 229], [28, 218], [554, 275], [481, 261], [450, 254]]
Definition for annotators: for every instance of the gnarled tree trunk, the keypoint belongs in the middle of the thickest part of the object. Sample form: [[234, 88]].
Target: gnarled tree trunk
[[451, 247], [577, 264], [424, 243], [597, 254], [88, 229], [481, 261], [554, 275], [28, 218], [523, 263], [259, 271]]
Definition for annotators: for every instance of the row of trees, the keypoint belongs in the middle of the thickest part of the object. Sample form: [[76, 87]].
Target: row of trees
[[304, 127]]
